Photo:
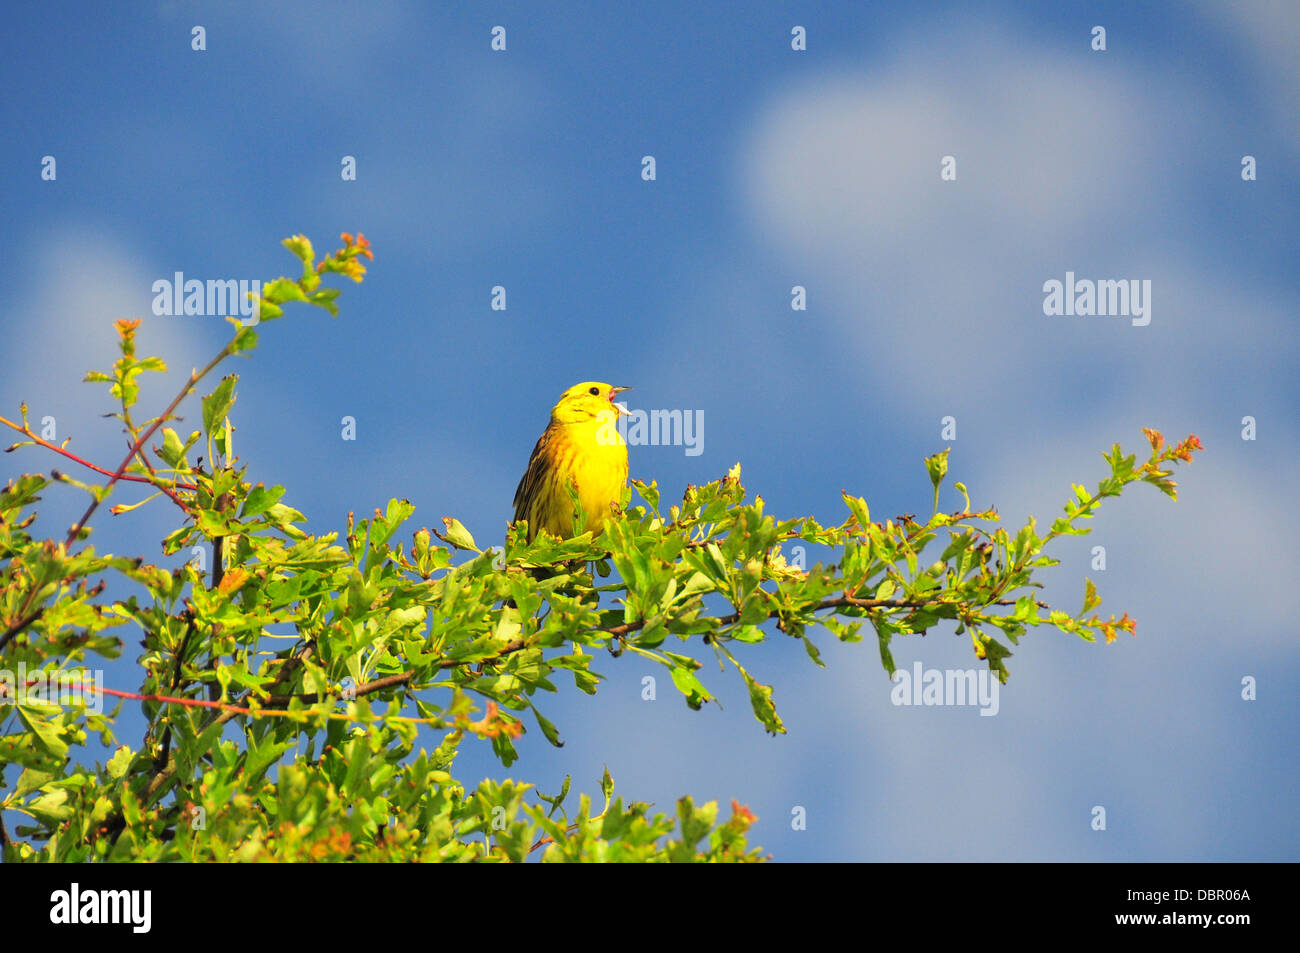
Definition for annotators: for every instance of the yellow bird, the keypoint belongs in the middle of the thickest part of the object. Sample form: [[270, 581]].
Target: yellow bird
[[580, 446]]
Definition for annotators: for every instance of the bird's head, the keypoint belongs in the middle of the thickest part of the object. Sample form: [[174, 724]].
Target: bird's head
[[590, 400]]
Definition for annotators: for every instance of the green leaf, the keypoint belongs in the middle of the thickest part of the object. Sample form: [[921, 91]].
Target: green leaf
[[1090, 598], [260, 499], [457, 535], [32, 779], [217, 404], [49, 736], [267, 310], [558, 799], [245, 338], [649, 492], [120, 761], [760, 699], [172, 451], [813, 652], [937, 467], [886, 656], [858, 507], [282, 290], [548, 728], [325, 299], [300, 245], [689, 684], [51, 807]]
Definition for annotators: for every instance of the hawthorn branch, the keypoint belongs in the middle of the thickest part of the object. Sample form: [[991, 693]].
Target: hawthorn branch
[[21, 624], [157, 483], [391, 681], [165, 774], [27, 615], [839, 602], [165, 754], [617, 631], [129, 477], [144, 460], [140, 441], [548, 839]]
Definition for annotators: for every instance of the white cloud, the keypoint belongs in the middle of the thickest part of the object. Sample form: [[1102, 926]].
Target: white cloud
[[61, 326], [1269, 30], [1063, 163], [1071, 162]]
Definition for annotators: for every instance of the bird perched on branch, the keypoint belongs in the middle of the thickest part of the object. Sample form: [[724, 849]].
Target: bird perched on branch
[[582, 447]]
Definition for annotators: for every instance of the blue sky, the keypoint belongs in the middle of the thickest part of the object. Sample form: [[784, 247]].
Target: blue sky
[[775, 168]]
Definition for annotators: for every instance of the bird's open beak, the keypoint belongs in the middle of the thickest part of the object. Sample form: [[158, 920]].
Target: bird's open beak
[[622, 408]]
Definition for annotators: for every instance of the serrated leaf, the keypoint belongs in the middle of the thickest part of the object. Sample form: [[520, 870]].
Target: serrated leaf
[[689, 684], [260, 499], [458, 535], [1090, 598], [217, 404], [120, 761], [548, 728], [172, 450], [48, 734]]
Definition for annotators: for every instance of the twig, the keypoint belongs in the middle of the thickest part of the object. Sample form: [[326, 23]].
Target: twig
[[195, 377], [18, 626], [839, 602], [390, 681], [63, 451], [165, 753]]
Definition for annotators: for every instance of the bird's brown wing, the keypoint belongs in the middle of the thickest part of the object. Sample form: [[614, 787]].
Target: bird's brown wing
[[534, 478]]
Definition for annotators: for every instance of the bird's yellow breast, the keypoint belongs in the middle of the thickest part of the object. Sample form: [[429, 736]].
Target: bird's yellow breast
[[592, 456]]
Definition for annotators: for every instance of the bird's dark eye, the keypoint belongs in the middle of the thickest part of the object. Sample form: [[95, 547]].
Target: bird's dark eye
[[595, 392]]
